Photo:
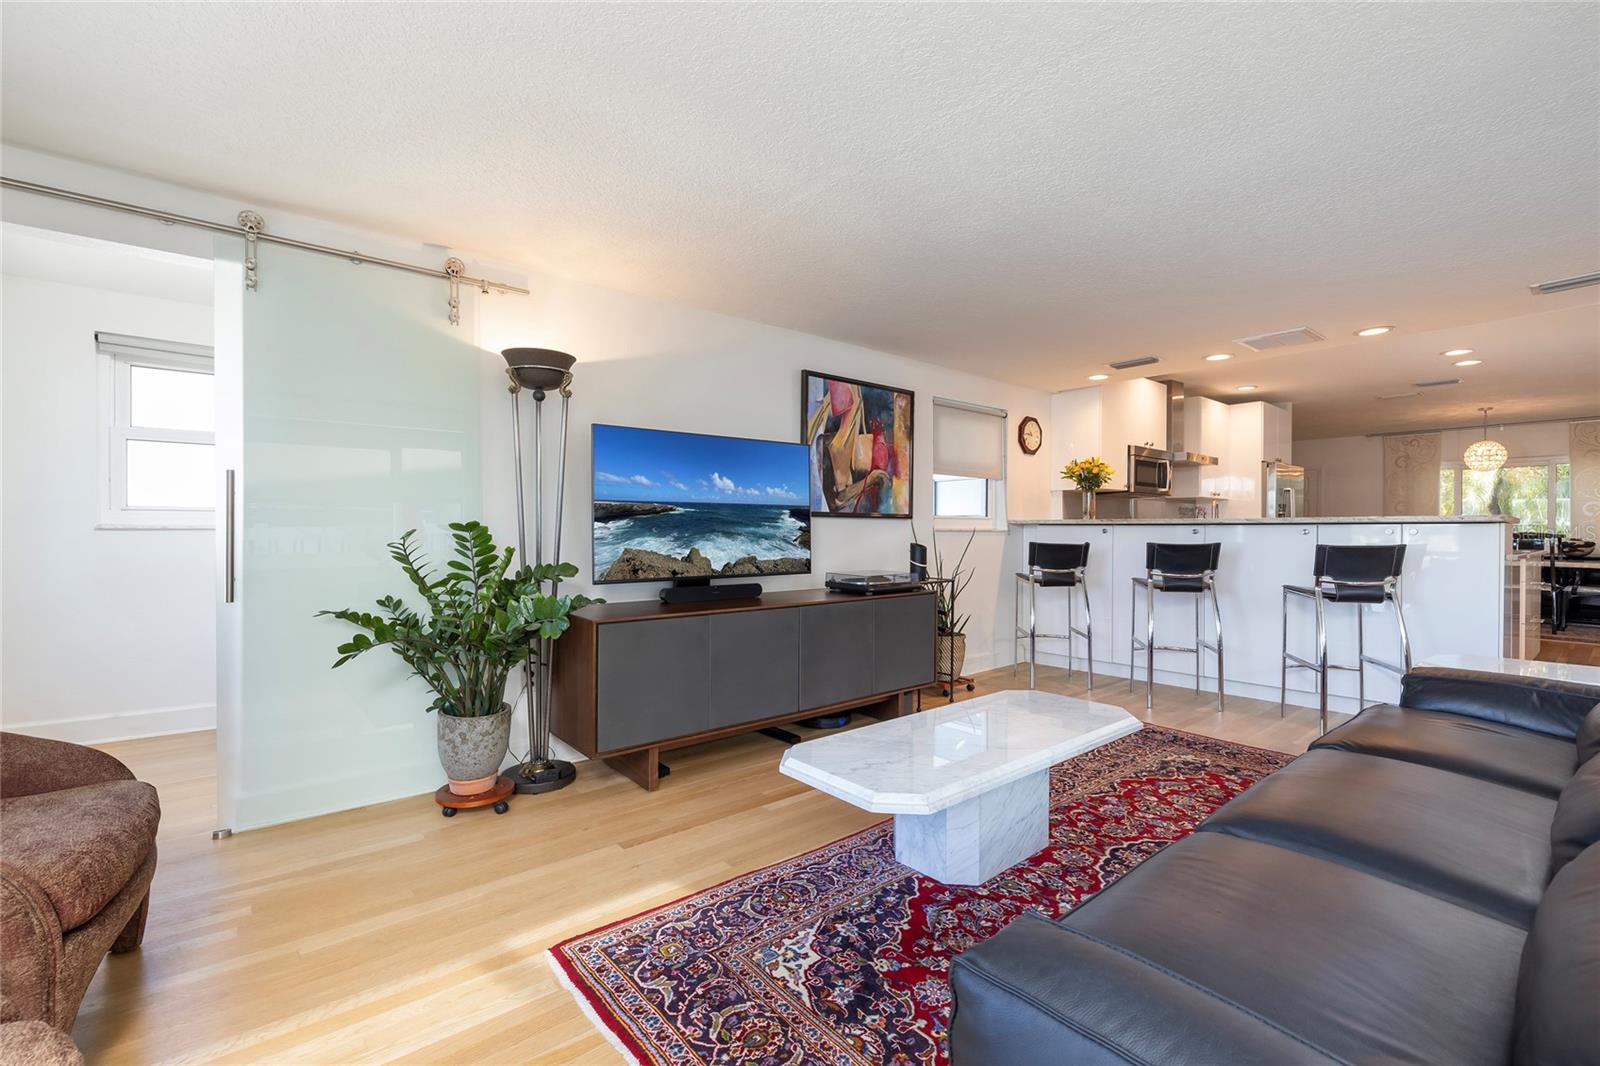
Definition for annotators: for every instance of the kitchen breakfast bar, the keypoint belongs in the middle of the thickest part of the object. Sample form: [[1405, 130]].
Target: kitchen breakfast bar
[[1455, 588]]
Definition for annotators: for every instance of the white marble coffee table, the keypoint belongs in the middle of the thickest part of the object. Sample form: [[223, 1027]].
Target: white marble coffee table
[[968, 783]]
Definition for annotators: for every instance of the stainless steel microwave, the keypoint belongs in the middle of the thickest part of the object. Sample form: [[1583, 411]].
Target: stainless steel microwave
[[1149, 471]]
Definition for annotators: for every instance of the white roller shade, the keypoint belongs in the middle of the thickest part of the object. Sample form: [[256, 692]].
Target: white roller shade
[[968, 441]]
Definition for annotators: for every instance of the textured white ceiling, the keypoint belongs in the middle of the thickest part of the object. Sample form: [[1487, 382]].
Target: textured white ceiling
[[1544, 366], [1020, 190]]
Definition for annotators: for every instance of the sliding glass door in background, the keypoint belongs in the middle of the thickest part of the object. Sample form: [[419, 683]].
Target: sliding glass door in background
[[349, 414]]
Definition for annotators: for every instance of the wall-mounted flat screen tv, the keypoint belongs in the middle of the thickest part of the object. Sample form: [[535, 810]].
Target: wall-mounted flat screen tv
[[690, 505]]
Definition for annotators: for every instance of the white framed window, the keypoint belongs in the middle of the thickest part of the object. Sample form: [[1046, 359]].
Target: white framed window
[[969, 465], [158, 434], [1536, 490]]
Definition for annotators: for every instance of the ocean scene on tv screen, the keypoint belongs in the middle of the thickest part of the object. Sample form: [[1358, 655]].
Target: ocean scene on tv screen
[[672, 505]]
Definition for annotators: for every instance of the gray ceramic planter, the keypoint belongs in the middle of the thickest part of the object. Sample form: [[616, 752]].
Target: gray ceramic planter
[[472, 749]]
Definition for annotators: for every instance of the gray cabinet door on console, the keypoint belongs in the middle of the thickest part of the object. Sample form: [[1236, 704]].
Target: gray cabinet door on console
[[903, 636], [655, 681], [755, 666], [835, 653]]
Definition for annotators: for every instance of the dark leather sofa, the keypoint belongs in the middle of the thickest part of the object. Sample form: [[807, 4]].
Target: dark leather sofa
[[1423, 886]]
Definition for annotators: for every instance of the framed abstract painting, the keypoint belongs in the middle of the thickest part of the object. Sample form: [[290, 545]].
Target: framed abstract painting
[[859, 435]]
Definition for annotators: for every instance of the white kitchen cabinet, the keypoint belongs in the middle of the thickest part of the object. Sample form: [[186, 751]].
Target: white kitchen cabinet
[[1257, 432], [1133, 412], [1104, 420], [1052, 602], [1453, 587], [1174, 613], [1382, 631], [1074, 431], [1255, 562], [1453, 591]]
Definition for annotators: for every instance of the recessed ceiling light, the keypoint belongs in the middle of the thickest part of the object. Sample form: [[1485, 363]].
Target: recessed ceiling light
[[1247, 388], [1469, 362], [1219, 357], [1098, 377], [1456, 353], [1374, 331]]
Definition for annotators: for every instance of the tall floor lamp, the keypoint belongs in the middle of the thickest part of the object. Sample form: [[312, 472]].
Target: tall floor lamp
[[539, 371]]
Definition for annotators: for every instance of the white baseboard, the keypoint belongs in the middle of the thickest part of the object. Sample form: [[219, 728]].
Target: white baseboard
[[120, 725]]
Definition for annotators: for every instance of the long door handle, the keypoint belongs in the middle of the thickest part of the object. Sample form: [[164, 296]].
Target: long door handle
[[228, 570]]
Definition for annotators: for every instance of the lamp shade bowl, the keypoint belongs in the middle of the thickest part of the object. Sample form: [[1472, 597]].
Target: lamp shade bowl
[[540, 369]]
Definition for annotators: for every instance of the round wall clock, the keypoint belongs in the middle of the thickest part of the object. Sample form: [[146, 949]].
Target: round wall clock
[[1029, 435]]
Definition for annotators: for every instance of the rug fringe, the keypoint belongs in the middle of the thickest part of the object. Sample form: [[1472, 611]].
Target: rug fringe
[[589, 1012]]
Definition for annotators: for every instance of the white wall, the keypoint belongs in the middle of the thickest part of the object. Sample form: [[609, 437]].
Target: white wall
[[649, 363], [106, 633], [1346, 474], [1349, 470]]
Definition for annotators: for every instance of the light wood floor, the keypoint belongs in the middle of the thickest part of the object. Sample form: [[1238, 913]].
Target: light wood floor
[[392, 934], [1579, 651]]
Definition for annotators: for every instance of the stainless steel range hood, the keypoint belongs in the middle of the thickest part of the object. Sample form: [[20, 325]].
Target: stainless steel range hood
[[1177, 454]]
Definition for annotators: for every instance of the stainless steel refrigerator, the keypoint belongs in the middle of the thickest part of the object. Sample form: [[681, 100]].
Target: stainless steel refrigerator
[[1283, 490]]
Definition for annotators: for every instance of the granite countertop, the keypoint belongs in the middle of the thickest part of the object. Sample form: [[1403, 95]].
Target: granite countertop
[[1432, 519]]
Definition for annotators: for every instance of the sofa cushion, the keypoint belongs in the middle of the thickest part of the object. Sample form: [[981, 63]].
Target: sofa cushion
[[1493, 751], [80, 846], [1558, 1005], [1540, 704], [1362, 968], [1577, 820], [1589, 736], [1038, 984], [1478, 844]]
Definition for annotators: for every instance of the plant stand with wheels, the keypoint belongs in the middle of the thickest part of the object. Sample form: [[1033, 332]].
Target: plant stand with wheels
[[497, 797]]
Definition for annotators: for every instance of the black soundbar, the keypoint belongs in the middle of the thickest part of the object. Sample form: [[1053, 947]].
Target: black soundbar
[[685, 593]]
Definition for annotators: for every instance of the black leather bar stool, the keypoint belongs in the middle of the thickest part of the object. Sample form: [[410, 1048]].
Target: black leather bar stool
[[1053, 566], [1345, 573], [1185, 568]]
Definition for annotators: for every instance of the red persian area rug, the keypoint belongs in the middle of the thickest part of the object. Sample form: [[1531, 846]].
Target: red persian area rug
[[841, 955]]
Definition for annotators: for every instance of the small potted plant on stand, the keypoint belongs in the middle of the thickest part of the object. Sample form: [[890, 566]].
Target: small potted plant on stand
[[950, 641], [482, 619], [1089, 475]]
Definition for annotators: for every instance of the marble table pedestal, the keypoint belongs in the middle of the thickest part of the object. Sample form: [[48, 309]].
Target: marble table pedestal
[[971, 842]]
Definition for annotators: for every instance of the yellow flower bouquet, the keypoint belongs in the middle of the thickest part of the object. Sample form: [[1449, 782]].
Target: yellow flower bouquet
[[1088, 474]]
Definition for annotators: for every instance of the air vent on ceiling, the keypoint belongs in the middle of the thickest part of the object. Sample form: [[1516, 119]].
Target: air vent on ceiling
[[1284, 338], [1436, 384], [1128, 364], [1545, 288], [1398, 395]]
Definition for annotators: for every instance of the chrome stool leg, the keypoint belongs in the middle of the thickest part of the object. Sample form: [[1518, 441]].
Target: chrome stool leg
[[1216, 610], [1033, 634], [1322, 664], [1016, 624], [1149, 647], [1199, 639], [1361, 658], [1283, 662], [1088, 632]]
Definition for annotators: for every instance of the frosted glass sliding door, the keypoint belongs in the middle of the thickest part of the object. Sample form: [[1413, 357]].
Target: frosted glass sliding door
[[353, 417]]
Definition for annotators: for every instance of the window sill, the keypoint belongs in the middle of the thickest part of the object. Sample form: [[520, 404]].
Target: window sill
[[965, 525], [138, 523]]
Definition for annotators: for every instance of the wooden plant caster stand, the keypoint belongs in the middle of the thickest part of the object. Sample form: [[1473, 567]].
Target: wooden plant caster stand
[[495, 797]]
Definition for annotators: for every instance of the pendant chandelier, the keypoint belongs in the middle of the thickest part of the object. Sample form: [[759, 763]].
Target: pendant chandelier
[[1485, 455]]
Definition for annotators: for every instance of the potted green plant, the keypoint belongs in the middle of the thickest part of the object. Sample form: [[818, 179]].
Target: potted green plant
[[483, 618], [1089, 475], [950, 638]]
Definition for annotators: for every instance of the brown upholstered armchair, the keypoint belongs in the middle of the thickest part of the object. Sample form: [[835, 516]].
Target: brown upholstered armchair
[[77, 852]]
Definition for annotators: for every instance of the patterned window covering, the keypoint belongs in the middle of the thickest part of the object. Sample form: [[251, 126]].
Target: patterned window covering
[[1411, 474], [1584, 452]]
